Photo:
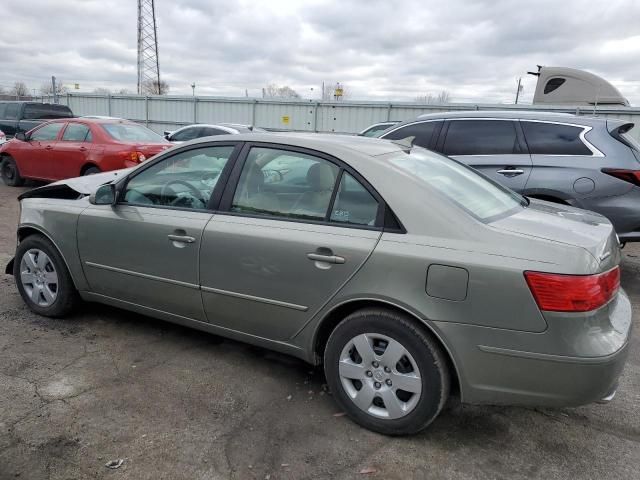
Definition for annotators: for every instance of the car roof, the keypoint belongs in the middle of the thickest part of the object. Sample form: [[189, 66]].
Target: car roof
[[93, 120], [236, 126], [513, 114], [333, 144]]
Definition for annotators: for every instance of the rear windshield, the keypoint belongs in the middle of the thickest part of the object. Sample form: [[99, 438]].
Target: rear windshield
[[130, 132], [476, 194], [37, 111], [635, 144]]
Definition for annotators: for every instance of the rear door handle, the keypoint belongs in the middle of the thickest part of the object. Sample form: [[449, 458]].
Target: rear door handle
[[181, 238], [83, 149], [49, 147], [317, 257], [510, 172]]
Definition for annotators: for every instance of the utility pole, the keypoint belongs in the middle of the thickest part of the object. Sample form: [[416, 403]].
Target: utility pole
[[55, 92], [519, 89], [148, 60]]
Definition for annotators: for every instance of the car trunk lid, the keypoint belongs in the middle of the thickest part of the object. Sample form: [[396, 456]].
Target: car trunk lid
[[567, 225]]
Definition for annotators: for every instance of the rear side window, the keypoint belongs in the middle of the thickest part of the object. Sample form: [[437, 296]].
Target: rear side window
[[35, 111], [481, 137], [75, 132], [186, 134], [554, 139], [422, 133], [354, 204]]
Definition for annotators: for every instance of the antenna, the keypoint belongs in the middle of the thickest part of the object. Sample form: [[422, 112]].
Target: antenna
[[148, 63]]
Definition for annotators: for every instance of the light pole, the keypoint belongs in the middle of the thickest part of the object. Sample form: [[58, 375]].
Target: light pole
[[193, 88]]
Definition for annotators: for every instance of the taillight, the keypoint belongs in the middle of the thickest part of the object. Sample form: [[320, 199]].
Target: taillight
[[631, 176], [134, 156], [573, 293]]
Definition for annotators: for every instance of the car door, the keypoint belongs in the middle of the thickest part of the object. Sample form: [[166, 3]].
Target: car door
[[72, 152], [492, 146], [144, 250], [269, 262], [36, 155]]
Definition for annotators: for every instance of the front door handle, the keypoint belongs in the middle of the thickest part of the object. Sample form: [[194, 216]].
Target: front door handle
[[49, 147], [318, 257], [510, 172], [181, 238]]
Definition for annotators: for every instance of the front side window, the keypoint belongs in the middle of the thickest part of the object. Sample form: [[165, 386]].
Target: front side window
[[554, 139], [130, 132], [184, 180], [76, 132], [36, 111], [186, 134], [422, 133], [47, 132], [354, 204], [474, 193], [12, 111], [481, 137], [285, 184]]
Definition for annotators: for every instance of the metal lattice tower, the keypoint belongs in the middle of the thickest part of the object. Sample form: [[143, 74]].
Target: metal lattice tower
[[148, 63]]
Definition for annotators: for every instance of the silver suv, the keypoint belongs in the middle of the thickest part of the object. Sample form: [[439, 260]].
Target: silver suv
[[591, 163]]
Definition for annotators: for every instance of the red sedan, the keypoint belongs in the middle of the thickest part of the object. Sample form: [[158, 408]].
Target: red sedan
[[73, 147]]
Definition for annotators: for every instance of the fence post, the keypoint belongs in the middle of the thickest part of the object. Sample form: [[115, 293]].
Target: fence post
[[315, 117], [195, 109], [253, 112], [109, 104], [389, 107], [146, 110]]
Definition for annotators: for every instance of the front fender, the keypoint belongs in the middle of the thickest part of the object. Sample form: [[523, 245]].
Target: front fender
[[9, 268]]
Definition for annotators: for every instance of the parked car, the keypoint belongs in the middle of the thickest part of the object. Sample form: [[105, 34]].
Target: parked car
[[191, 132], [71, 147], [591, 163], [23, 116], [376, 129], [406, 273]]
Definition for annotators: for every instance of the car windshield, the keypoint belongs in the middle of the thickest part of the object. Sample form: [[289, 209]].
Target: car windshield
[[479, 196], [130, 132]]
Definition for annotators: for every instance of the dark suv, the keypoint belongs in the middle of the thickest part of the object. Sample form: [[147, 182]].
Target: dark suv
[[23, 116], [587, 162]]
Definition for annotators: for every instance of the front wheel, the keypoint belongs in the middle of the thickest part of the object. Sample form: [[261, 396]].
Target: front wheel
[[10, 173], [385, 372], [43, 279]]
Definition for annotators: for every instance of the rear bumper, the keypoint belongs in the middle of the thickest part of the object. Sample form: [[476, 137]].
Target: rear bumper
[[622, 210], [576, 361]]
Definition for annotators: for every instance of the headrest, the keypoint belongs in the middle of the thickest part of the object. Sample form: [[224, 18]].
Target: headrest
[[320, 177]]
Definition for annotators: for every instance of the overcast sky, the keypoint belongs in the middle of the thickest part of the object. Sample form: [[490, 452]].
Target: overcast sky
[[379, 49]]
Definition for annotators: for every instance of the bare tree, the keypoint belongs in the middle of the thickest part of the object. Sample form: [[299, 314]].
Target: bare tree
[[443, 97], [152, 87], [124, 91], [276, 91], [19, 89], [47, 89], [102, 91]]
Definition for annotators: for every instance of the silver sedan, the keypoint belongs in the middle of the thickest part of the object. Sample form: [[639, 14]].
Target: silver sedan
[[407, 274]]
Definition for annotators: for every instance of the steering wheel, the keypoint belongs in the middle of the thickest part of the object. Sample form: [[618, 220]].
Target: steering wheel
[[193, 191]]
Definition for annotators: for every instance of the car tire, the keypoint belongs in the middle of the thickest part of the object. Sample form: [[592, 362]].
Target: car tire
[[421, 368], [91, 171], [10, 173], [42, 278]]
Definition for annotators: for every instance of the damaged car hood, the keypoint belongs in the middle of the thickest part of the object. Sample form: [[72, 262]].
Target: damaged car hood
[[77, 187]]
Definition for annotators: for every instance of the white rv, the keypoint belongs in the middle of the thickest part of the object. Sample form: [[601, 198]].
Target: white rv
[[569, 86]]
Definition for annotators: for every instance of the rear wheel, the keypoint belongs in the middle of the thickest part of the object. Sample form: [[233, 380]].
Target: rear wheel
[[91, 171], [385, 372], [43, 279], [10, 173]]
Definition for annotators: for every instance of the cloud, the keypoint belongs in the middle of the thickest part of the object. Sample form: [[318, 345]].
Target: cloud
[[382, 50]]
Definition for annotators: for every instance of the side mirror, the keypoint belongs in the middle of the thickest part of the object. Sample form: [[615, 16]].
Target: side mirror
[[104, 195], [20, 136]]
